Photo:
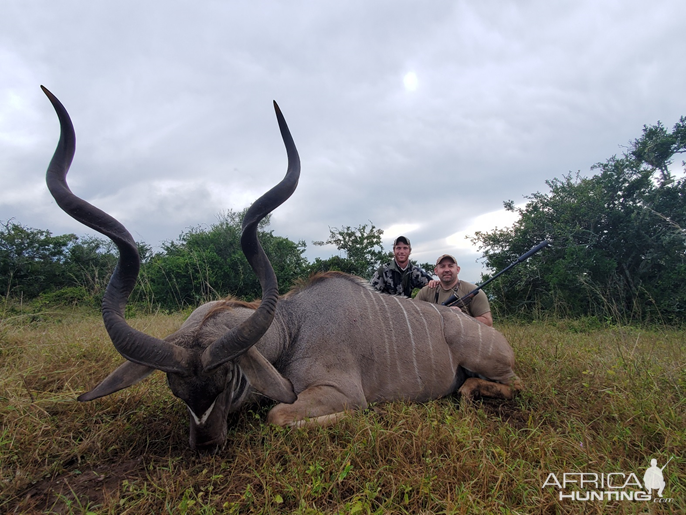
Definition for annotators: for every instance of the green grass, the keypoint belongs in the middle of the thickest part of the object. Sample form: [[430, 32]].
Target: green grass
[[596, 399]]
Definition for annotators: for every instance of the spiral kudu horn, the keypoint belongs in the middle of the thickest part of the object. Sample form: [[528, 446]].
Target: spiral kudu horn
[[134, 345], [240, 338]]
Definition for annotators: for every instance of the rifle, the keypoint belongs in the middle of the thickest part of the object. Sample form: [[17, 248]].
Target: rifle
[[464, 301], [670, 459]]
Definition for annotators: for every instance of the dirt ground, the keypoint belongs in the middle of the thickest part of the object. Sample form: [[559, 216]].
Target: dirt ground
[[79, 487]]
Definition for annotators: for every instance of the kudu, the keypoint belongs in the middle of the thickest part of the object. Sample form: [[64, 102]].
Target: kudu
[[326, 347]]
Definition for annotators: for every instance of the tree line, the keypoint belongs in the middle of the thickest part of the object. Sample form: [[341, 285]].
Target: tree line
[[618, 250], [203, 264], [618, 239]]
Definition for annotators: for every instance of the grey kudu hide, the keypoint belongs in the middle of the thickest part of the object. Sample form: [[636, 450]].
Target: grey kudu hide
[[326, 347]]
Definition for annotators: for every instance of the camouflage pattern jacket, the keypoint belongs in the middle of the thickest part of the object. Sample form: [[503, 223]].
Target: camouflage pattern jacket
[[390, 278]]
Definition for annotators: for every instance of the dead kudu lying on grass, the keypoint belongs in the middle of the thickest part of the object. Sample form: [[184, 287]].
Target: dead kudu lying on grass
[[326, 347]]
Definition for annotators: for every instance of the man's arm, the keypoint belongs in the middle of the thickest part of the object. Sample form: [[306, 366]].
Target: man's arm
[[481, 309], [486, 318]]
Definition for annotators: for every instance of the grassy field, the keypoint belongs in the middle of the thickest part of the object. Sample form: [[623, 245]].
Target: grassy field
[[596, 400]]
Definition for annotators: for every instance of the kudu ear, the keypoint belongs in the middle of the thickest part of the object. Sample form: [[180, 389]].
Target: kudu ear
[[265, 378], [124, 376]]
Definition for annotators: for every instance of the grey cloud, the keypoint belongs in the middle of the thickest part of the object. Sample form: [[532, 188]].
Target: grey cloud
[[172, 106]]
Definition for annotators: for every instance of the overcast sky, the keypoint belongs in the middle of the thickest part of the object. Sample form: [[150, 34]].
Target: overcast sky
[[422, 117]]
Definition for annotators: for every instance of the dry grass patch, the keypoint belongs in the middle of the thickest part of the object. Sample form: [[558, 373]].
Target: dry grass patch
[[596, 400]]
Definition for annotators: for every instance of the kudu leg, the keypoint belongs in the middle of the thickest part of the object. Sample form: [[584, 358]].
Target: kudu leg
[[317, 405], [474, 388]]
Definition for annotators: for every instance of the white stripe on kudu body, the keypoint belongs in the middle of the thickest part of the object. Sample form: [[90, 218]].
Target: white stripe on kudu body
[[391, 330], [375, 316], [429, 341], [450, 354], [412, 343], [382, 322]]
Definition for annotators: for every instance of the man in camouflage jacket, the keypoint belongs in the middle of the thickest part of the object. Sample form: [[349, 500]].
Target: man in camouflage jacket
[[400, 277]]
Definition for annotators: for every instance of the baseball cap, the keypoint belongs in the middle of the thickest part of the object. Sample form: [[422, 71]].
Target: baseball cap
[[402, 239], [446, 256]]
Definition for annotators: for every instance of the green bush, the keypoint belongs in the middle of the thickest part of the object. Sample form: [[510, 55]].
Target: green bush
[[72, 296]]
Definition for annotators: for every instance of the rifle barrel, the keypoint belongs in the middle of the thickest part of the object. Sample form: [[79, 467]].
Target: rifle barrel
[[453, 298]]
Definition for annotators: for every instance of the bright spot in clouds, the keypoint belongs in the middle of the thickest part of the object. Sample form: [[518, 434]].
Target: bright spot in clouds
[[396, 230], [410, 81], [485, 223]]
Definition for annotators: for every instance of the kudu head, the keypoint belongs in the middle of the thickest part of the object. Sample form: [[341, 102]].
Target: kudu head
[[211, 372]]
